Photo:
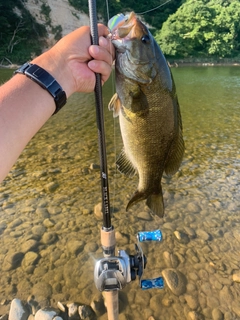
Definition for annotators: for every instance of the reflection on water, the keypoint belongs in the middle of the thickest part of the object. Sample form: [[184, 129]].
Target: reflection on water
[[47, 207]]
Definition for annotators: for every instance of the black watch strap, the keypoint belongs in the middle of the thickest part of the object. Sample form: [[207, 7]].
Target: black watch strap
[[46, 81]]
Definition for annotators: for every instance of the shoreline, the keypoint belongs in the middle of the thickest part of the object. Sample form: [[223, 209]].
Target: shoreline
[[174, 63]]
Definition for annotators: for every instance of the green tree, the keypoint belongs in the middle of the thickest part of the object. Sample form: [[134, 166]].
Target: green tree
[[21, 37], [154, 18], [202, 28]]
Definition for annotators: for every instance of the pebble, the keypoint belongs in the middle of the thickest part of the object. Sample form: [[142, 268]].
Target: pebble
[[175, 280], [236, 277], [49, 238], [12, 261], [181, 237], [51, 219], [29, 260], [18, 310], [217, 314], [98, 211], [170, 259], [45, 314], [51, 187], [144, 215]]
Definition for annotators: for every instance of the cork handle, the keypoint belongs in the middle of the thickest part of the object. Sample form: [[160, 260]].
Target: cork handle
[[111, 298]]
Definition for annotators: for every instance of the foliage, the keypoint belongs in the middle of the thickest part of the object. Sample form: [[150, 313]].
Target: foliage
[[202, 28], [45, 10], [183, 28], [153, 18], [21, 37]]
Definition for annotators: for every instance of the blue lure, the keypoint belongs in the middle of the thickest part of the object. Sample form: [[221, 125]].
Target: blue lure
[[114, 22]]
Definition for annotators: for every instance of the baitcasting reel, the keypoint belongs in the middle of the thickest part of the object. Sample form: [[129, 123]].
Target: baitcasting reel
[[113, 273]]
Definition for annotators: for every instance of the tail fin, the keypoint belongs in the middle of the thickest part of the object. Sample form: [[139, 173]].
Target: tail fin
[[154, 201], [136, 197]]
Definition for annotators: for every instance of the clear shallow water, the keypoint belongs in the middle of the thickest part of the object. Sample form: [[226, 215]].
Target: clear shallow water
[[50, 194]]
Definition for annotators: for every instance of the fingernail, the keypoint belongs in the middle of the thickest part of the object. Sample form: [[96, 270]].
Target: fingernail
[[95, 49]]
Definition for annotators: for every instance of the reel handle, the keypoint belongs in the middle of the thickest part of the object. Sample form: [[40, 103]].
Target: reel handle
[[155, 235], [156, 283]]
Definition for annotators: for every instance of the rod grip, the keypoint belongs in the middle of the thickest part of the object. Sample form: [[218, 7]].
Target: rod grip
[[111, 299]]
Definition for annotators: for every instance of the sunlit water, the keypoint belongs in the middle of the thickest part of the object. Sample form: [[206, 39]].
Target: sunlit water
[[47, 207]]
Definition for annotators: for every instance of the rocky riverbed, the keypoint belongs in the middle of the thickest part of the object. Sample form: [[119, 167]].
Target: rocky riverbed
[[50, 220]]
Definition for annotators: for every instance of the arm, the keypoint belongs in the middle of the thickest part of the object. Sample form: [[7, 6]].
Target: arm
[[25, 106]]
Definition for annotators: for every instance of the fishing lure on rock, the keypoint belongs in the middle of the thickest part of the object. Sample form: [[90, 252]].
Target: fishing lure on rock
[[148, 110]]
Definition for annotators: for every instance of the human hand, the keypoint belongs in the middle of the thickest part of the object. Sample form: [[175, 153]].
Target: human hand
[[73, 61]]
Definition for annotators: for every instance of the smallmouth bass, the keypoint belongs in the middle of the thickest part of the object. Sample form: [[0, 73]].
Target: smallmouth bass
[[149, 114]]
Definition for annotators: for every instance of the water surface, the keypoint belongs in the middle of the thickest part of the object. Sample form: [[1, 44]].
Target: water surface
[[47, 206]]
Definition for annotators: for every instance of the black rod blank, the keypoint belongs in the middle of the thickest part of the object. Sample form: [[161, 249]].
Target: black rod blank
[[100, 123]]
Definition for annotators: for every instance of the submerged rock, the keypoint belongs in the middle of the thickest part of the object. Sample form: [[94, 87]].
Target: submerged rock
[[175, 280]]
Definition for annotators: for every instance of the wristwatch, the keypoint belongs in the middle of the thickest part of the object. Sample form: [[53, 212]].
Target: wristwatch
[[46, 81]]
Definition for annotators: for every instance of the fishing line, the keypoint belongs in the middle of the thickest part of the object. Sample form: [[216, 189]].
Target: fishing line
[[161, 5], [114, 127]]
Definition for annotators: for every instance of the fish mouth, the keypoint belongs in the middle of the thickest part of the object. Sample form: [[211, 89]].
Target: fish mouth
[[134, 48], [126, 31]]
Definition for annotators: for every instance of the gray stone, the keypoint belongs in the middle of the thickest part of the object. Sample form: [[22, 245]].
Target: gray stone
[[18, 310], [236, 277], [75, 246], [175, 280], [29, 260], [98, 211], [217, 314], [91, 247], [29, 245], [73, 311], [170, 259], [191, 301], [193, 207], [42, 289], [46, 314], [12, 261], [48, 223], [42, 213], [181, 237], [33, 304], [203, 234], [85, 311], [51, 187], [49, 237], [61, 306], [144, 215], [236, 307]]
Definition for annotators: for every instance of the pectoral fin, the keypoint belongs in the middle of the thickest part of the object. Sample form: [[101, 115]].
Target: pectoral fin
[[115, 105], [124, 165]]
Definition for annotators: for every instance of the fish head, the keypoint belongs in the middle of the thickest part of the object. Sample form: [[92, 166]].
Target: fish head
[[135, 48]]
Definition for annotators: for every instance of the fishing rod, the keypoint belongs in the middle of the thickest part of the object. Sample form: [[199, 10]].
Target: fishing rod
[[108, 240], [113, 272]]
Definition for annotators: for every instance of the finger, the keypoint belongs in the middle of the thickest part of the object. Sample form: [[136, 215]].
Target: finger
[[106, 43], [102, 30], [100, 53], [100, 67]]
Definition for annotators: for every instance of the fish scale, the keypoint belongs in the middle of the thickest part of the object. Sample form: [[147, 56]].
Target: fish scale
[[148, 110]]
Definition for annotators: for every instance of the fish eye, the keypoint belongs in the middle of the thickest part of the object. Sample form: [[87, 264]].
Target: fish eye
[[145, 39]]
